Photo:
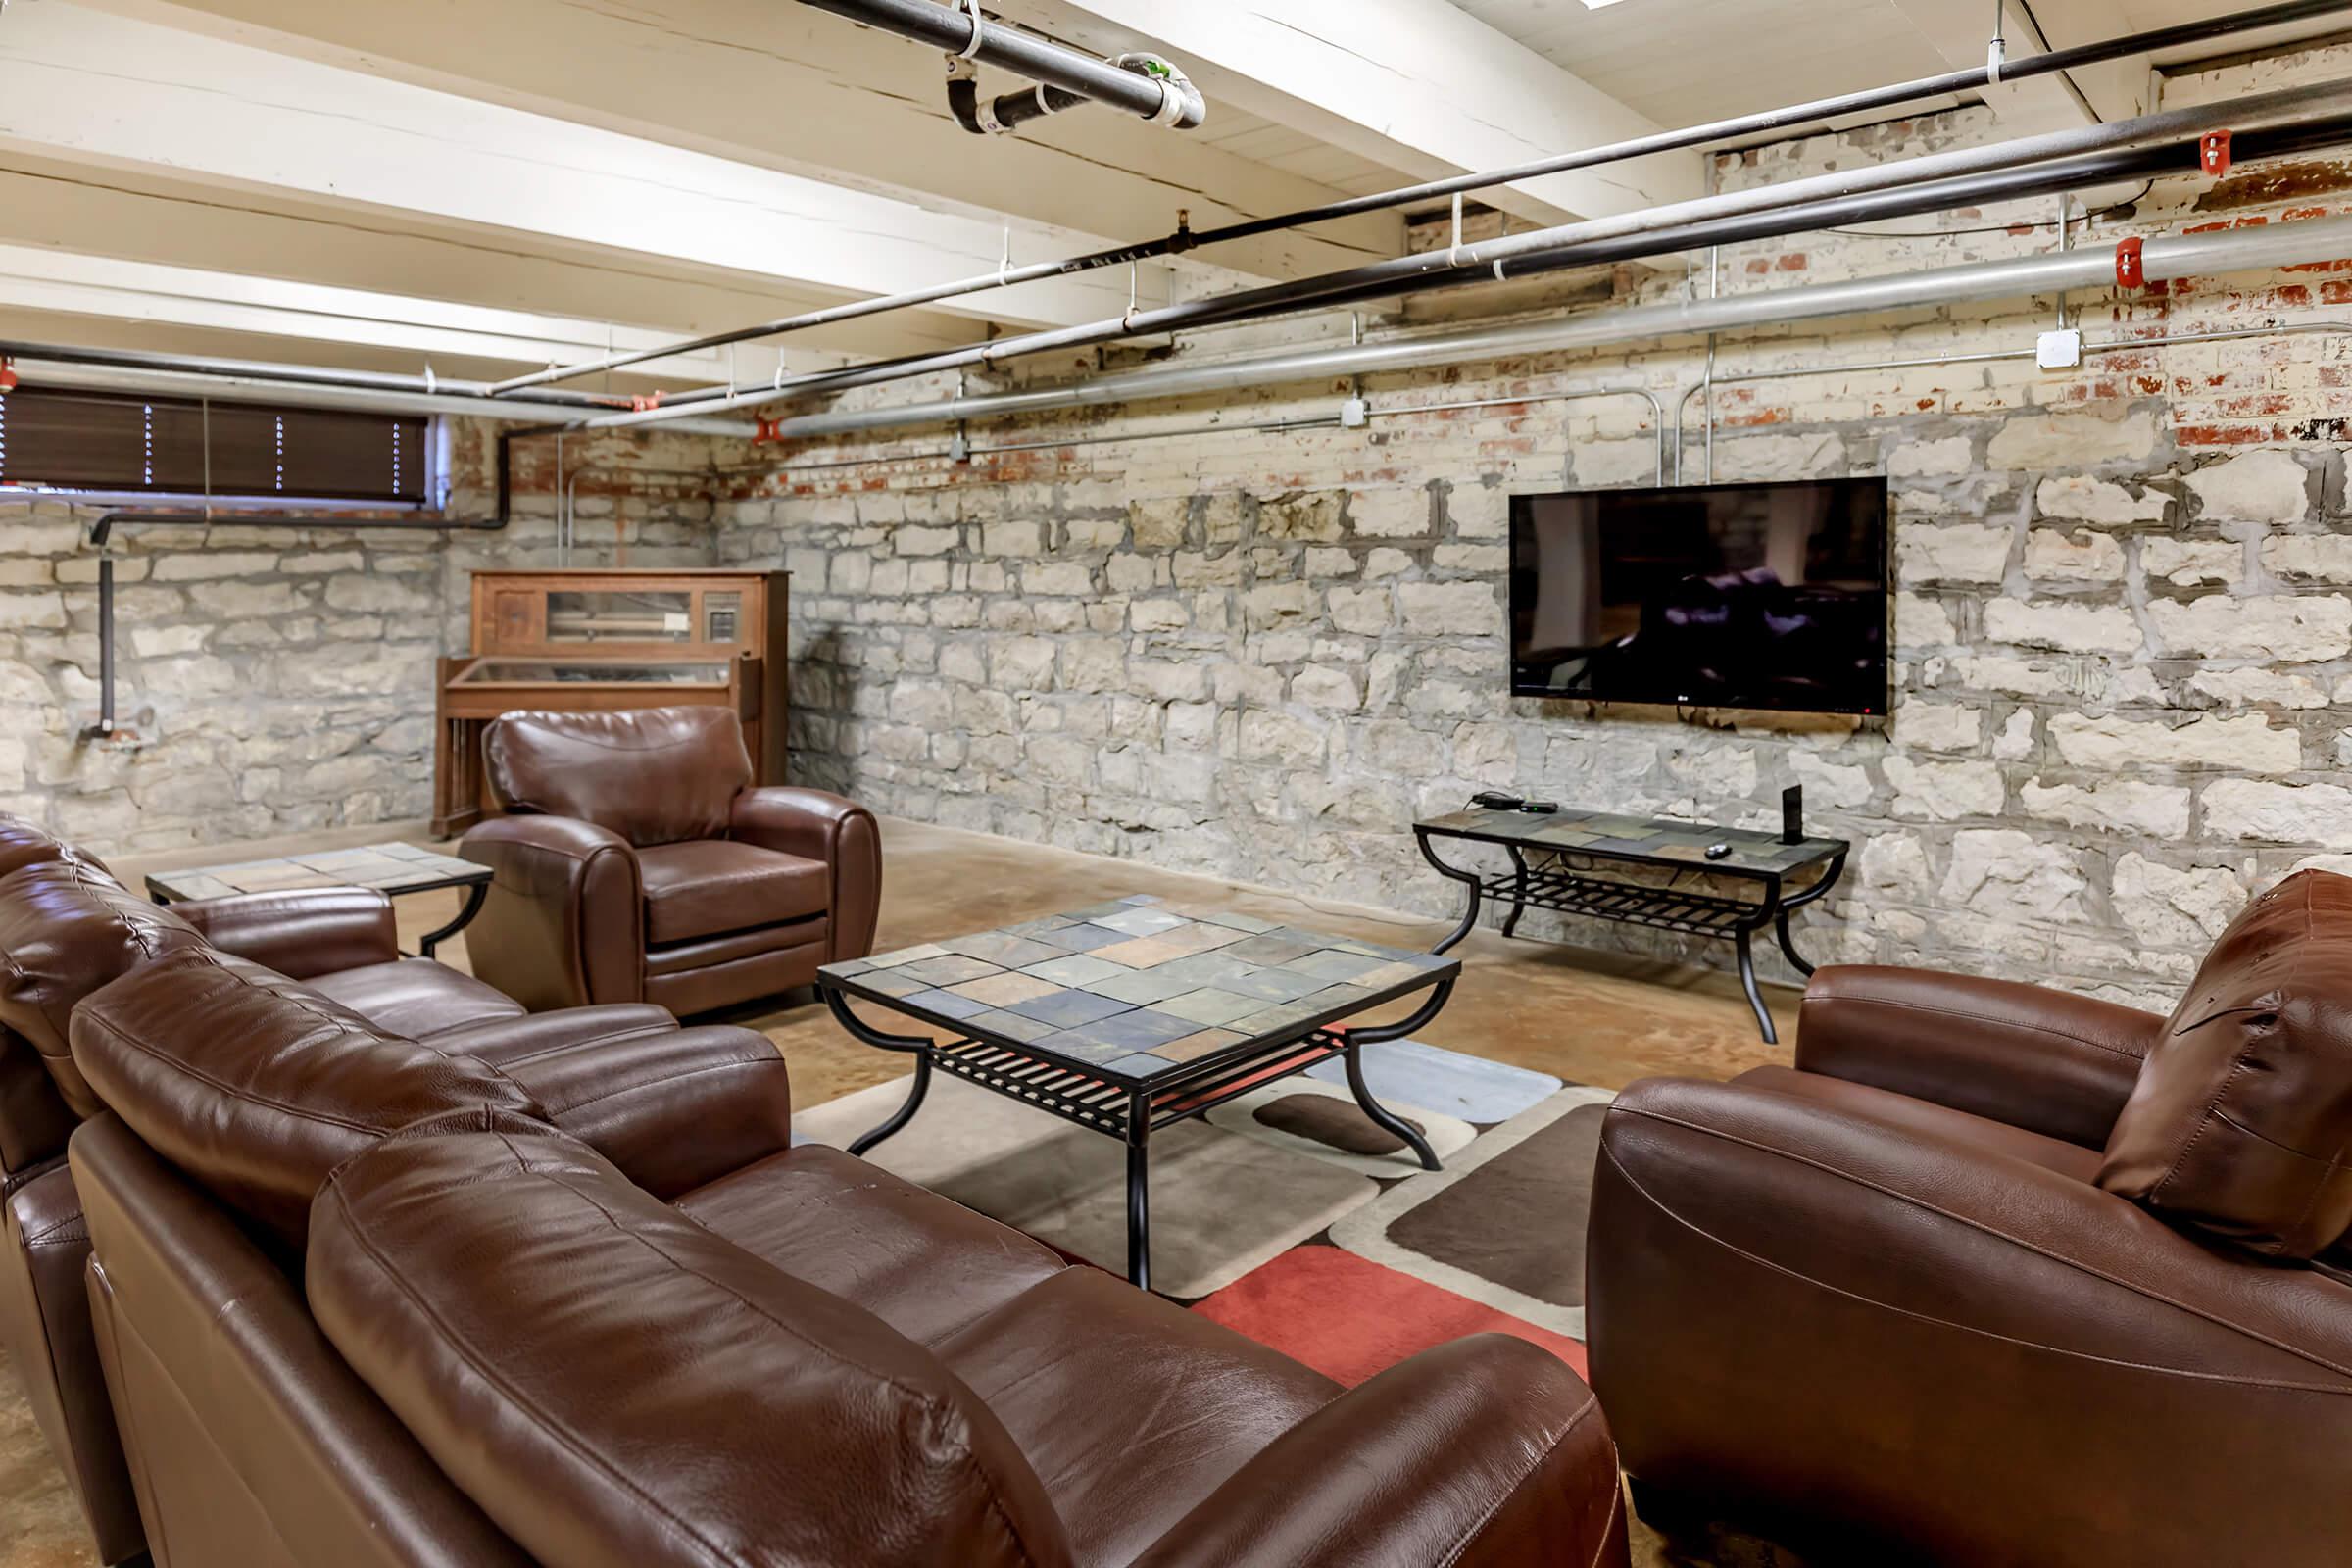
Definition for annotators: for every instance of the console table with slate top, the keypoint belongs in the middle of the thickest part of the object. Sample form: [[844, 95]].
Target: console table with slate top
[[1130, 1016], [1557, 861]]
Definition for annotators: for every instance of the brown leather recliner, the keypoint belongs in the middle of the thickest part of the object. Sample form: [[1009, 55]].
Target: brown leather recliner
[[419, 1310], [638, 863], [1997, 1274], [67, 928]]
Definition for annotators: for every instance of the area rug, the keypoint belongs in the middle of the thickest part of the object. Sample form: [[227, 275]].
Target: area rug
[[1286, 1215]]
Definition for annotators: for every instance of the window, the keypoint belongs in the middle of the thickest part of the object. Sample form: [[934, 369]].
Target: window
[[180, 446]]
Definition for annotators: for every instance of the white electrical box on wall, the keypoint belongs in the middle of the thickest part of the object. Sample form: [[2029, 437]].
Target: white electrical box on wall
[[2059, 351]]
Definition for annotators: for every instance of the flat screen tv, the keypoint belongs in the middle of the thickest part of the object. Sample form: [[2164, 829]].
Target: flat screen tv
[[1757, 596]]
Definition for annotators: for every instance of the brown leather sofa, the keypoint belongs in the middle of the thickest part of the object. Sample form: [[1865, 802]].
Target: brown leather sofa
[[67, 928], [1997, 1274], [364, 1301], [637, 863]]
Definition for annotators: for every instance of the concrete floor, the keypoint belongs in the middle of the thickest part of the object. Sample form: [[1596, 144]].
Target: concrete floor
[[1589, 1017]]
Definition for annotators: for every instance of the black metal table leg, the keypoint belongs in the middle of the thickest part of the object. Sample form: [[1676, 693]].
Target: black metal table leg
[[1469, 878], [474, 896], [1748, 983], [919, 1046], [1380, 1115], [1139, 1198], [1817, 891], [1510, 922]]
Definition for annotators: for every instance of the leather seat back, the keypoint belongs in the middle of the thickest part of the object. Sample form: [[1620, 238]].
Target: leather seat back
[[256, 1087], [2241, 1123], [654, 775], [617, 1387], [67, 928]]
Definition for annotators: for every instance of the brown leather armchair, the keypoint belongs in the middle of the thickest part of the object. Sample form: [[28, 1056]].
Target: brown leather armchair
[[380, 1304], [637, 863], [2001, 1274]]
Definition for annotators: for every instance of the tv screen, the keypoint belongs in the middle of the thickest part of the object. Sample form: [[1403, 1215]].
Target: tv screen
[[1762, 596]]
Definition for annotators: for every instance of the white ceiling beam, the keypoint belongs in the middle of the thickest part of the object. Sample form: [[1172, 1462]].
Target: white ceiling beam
[[1963, 35], [1416, 85], [128, 215], [99, 89], [774, 83], [444, 333]]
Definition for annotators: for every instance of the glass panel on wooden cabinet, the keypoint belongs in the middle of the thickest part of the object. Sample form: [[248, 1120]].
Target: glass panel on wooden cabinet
[[722, 617], [621, 617], [563, 672]]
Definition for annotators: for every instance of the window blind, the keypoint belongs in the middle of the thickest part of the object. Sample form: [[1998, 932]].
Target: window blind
[[108, 441]]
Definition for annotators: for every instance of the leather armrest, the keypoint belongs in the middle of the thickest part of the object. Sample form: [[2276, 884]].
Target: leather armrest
[[1768, 1278], [840, 833], [2046, 1060], [674, 1111], [301, 934], [563, 924], [508, 1042], [1485, 1450]]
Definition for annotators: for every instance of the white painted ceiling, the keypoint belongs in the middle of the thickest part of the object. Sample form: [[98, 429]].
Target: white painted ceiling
[[488, 184]]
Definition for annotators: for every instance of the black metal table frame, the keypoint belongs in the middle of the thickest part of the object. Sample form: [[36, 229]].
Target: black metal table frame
[[1131, 1111], [1556, 883], [477, 889]]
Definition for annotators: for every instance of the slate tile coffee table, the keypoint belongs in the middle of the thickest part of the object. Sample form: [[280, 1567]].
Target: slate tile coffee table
[[391, 869], [1130, 1016]]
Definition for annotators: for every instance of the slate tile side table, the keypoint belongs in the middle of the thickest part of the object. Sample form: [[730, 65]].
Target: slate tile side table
[[390, 868]]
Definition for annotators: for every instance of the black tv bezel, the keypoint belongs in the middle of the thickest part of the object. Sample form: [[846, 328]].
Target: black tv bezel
[[1883, 711]]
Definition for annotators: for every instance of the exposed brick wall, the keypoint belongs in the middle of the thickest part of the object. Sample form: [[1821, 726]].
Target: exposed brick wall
[[2125, 639]]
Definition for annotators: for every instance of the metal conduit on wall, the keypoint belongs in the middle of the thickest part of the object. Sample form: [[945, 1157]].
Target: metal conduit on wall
[[1184, 239], [2272, 245], [2284, 110]]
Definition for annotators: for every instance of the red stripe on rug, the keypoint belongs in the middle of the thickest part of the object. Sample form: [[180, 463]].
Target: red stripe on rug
[[1349, 1318]]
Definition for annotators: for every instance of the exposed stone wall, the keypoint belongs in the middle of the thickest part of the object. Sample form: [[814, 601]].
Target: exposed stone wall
[[2124, 636], [277, 679]]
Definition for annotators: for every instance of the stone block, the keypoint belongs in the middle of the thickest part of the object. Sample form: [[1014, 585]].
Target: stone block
[[2269, 688], [1921, 621], [910, 540], [1136, 575], [1840, 786], [2260, 812], [2295, 628], [2188, 563], [1312, 517], [2124, 806], [1023, 664], [1938, 726], [2308, 557], [1937, 459], [2167, 907], [2115, 744], [1448, 610], [2109, 434], [1016, 539], [1952, 553], [1484, 511], [2006, 874], [1276, 606], [1391, 514], [2053, 557], [2264, 486], [2063, 624], [1073, 579], [1269, 737], [1364, 611], [1160, 524], [1944, 791], [1327, 687], [2077, 497]]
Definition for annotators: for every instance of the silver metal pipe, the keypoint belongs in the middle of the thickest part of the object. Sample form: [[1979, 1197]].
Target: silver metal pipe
[[273, 370], [1184, 240], [956, 30], [2289, 107], [2316, 239], [312, 395]]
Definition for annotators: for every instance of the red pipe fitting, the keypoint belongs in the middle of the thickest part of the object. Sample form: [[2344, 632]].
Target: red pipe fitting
[[8, 376], [771, 432], [2131, 264], [2213, 152], [647, 405]]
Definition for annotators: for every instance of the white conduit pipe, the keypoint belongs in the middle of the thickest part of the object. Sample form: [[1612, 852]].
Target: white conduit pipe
[[2318, 239]]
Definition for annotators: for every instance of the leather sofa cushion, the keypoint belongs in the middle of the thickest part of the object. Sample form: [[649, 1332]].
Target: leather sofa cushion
[[619, 1387], [1131, 1408], [415, 997], [23, 844], [710, 886], [925, 1266], [654, 775], [1923, 1118], [257, 1086], [67, 927], [2241, 1123]]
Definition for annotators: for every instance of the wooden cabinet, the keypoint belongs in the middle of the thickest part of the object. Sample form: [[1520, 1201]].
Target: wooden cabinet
[[601, 640]]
